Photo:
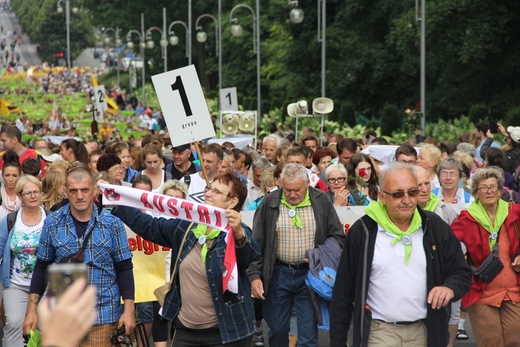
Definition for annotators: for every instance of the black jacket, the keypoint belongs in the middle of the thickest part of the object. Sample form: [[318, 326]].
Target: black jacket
[[445, 266]]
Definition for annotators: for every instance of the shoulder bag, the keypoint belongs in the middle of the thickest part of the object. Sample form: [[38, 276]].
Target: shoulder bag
[[161, 292]]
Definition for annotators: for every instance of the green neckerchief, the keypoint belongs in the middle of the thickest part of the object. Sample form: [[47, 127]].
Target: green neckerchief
[[432, 203], [296, 220], [198, 232], [477, 211], [377, 211]]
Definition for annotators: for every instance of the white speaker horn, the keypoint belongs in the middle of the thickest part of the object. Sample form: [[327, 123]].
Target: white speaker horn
[[322, 105]]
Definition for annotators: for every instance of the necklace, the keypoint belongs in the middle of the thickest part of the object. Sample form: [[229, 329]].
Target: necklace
[[33, 225]]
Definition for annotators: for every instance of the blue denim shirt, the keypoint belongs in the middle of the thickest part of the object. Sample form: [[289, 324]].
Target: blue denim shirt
[[235, 319], [107, 245]]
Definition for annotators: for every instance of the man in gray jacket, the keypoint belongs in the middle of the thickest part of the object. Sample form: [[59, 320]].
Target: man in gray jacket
[[288, 222]]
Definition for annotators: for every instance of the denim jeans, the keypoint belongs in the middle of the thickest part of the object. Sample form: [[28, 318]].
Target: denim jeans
[[287, 288]]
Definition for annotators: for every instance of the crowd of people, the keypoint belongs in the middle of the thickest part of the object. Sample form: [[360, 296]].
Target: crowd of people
[[409, 269]]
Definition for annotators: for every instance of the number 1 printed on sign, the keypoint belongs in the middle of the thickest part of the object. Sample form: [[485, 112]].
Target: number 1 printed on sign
[[178, 85]]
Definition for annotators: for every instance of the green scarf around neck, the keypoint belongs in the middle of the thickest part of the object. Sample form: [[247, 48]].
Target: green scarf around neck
[[377, 211], [477, 211], [198, 232], [296, 220], [432, 203]]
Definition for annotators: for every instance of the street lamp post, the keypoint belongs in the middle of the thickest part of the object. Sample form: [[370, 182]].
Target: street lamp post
[[174, 39], [67, 22], [236, 30], [142, 45], [202, 37], [422, 18], [150, 44], [117, 45]]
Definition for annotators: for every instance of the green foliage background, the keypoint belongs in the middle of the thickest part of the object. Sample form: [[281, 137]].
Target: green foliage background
[[372, 72]]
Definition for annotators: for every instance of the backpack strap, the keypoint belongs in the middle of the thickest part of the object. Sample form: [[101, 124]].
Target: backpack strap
[[11, 219]]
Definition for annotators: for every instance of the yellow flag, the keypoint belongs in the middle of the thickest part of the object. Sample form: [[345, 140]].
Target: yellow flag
[[112, 106], [7, 109]]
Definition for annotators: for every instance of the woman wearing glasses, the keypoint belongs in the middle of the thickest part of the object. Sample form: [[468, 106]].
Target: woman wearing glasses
[[111, 164], [336, 178], [19, 241], [493, 306], [450, 175], [362, 178], [203, 315]]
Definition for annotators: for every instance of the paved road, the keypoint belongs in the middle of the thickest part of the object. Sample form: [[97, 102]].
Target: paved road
[[27, 50]]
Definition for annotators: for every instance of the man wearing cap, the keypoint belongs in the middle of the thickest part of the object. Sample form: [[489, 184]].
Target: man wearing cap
[[182, 165], [400, 266]]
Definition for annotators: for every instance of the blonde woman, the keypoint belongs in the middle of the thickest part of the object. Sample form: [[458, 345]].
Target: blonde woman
[[429, 158], [18, 242], [53, 184]]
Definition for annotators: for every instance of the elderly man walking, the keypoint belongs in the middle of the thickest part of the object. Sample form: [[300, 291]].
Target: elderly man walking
[[290, 221], [399, 267]]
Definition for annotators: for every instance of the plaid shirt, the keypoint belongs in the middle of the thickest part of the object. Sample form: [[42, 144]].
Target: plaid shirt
[[107, 245], [293, 242]]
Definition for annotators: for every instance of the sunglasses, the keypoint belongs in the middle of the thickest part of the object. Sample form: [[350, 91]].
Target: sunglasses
[[400, 194]]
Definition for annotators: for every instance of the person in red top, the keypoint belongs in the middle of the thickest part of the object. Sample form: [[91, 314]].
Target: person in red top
[[11, 140], [494, 307]]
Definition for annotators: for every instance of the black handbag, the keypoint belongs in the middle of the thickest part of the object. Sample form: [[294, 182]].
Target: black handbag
[[489, 268]]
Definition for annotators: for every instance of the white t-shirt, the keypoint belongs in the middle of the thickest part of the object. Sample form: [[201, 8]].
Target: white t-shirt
[[196, 188]]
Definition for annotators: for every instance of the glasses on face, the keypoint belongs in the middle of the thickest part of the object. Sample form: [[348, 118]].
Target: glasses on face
[[400, 194], [449, 174], [336, 180], [215, 191], [33, 193], [485, 189], [117, 168]]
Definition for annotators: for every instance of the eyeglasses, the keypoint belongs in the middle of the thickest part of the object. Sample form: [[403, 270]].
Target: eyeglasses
[[215, 191], [33, 193], [117, 168], [400, 194], [449, 174], [485, 189], [336, 180]]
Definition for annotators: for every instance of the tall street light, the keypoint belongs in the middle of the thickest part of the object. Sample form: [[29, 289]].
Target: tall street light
[[296, 15], [202, 37], [67, 22], [142, 45], [422, 19], [236, 30], [117, 45], [150, 44], [174, 39]]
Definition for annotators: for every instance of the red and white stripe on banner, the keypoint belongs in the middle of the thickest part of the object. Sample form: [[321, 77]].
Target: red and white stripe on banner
[[213, 217]]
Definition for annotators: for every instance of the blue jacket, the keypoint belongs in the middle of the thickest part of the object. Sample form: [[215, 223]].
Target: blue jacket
[[5, 245], [235, 319]]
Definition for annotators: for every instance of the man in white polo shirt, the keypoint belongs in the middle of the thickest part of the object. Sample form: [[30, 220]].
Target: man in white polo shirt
[[399, 268]]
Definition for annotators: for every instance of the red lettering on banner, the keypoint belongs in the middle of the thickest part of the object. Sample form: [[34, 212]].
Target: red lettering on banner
[[218, 222], [203, 214], [157, 201], [187, 206], [172, 204], [147, 247], [144, 200]]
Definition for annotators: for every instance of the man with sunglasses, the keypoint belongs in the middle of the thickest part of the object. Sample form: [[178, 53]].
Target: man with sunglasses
[[400, 266]]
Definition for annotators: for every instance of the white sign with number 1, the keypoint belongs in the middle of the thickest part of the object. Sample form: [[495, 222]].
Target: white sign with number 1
[[183, 105]]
